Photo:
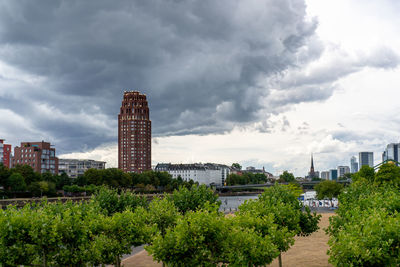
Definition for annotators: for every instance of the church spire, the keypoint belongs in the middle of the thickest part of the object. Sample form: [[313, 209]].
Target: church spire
[[312, 172], [312, 162]]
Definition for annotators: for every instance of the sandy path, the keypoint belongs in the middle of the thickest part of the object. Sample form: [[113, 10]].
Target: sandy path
[[310, 250], [307, 251]]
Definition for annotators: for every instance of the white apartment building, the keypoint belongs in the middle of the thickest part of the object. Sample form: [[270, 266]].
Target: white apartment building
[[325, 175], [77, 167], [342, 170], [208, 173]]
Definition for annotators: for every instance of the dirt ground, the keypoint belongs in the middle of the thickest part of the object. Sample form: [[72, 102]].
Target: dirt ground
[[307, 251]]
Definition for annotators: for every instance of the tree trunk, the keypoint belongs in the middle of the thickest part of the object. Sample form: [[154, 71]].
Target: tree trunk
[[44, 260], [280, 259], [118, 262]]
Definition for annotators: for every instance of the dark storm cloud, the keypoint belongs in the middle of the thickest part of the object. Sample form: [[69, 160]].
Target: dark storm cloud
[[201, 63]]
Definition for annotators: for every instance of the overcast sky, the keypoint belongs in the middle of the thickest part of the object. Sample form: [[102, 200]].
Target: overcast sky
[[262, 83]]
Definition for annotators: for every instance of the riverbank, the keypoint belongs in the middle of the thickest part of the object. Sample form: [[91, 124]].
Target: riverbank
[[309, 251]]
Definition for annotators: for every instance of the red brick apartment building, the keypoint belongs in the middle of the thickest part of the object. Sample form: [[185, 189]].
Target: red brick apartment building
[[134, 133], [5, 154], [41, 156]]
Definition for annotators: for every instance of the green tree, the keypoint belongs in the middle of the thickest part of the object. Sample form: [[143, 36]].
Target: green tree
[[93, 176], [28, 173], [328, 189], [4, 174], [15, 239], [63, 180], [366, 172], [280, 204], [348, 176], [111, 202], [388, 173], [49, 177], [286, 177], [196, 240], [16, 182], [116, 177], [164, 178], [47, 188], [247, 243], [163, 214], [236, 166], [365, 230], [82, 180], [117, 234], [194, 198]]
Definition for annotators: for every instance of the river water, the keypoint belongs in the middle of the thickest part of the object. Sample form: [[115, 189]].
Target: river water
[[232, 203]]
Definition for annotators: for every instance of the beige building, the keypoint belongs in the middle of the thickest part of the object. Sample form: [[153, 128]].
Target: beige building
[[77, 167]]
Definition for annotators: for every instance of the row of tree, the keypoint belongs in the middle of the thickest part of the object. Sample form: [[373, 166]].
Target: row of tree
[[22, 180], [366, 230], [246, 178], [184, 228]]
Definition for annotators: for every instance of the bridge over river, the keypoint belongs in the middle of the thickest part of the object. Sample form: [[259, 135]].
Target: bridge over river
[[304, 185]]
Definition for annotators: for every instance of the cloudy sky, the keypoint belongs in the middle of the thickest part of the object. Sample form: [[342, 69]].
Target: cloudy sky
[[262, 83]]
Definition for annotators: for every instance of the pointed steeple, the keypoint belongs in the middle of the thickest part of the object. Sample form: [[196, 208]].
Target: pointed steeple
[[311, 174], [312, 162]]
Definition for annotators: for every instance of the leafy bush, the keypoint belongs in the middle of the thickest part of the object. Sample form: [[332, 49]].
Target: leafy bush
[[69, 234], [111, 202], [194, 198], [280, 204], [208, 238], [365, 231]]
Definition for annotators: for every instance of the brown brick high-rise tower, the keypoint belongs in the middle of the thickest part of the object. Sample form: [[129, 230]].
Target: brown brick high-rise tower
[[134, 133]]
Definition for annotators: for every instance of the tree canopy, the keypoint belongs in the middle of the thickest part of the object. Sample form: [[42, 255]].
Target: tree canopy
[[286, 177], [328, 189]]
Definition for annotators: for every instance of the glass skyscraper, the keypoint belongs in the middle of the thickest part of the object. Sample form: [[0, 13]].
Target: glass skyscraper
[[366, 158]]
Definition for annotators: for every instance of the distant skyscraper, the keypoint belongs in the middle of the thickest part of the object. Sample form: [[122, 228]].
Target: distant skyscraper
[[134, 133], [325, 175], [333, 175], [391, 152], [366, 158], [353, 164], [342, 170]]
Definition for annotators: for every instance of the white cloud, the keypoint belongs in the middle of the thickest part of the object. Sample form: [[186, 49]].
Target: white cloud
[[105, 152]]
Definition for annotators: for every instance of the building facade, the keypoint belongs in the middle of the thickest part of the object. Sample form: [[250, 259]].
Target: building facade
[[75, 168], [134, 133], [41, 156], [353, 164], [253, 170], [366, 158], [333, 175], [325, 175], [391, 152], [5, 154], [342, 170], [208, 173]]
